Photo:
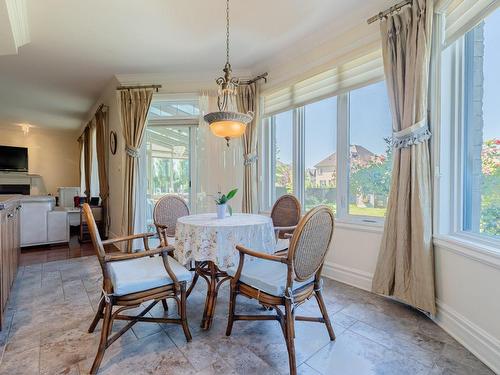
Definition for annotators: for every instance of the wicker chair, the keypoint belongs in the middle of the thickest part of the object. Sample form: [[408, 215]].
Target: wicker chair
[[165, 214], [132, 279], [286, 280], [285, 214]]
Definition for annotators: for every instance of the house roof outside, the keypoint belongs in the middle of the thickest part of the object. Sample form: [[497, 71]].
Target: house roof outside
[[356, 152]]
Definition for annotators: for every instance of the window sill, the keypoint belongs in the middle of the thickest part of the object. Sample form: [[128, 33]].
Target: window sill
[[468, 247], [358, 224]]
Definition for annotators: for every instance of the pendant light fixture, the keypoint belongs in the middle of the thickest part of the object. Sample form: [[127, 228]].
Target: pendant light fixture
[[227, 122]]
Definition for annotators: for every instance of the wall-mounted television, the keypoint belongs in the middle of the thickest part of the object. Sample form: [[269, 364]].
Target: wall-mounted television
[[13, 159]]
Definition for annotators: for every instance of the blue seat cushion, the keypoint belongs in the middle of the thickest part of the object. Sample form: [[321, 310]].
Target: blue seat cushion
[[137, 275], [267, 276], [282, 244]]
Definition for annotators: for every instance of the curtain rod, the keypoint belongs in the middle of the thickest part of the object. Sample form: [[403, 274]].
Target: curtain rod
[[255, 79], [156, 87], [386, 12]]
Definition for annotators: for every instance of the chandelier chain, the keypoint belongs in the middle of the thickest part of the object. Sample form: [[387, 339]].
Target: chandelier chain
[[227, 31]]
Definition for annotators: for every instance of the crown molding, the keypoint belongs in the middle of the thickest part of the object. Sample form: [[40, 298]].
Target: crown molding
[[14, 29]]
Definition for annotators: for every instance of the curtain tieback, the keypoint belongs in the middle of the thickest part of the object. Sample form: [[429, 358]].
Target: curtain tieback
[[412, 135], [250, 158], [131, 151]]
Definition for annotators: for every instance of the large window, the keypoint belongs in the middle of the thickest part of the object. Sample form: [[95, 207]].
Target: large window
[[168, 151], [370, 150], [316, 157], [481, 129], [282, 133], [320, 175], [167, 155]]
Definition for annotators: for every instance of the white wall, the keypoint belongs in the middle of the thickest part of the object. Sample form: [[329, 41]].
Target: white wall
[[52, 154]]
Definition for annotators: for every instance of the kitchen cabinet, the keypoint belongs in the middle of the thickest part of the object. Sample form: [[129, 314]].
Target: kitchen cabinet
[[10, 247]]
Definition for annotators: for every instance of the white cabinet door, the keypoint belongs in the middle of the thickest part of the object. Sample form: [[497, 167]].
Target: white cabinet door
[[58, 229], [34, 223]]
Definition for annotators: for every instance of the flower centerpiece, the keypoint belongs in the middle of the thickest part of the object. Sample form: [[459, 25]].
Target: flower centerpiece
[[222, 205]]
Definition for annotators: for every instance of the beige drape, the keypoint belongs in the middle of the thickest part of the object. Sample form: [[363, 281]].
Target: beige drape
[[80, 156], [134, 110], [100, 124], [87, 159], [405, 266], [248, 100]]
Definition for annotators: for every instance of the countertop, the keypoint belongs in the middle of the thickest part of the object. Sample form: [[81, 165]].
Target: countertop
[[7, 199]]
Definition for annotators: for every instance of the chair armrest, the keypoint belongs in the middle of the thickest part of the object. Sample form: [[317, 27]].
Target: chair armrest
[[261, 255], [127, 238], [285, 229], [140, 254], [257, 254]]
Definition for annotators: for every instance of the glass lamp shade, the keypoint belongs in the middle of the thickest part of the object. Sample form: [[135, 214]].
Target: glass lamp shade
[[228, 124], [227, 129]]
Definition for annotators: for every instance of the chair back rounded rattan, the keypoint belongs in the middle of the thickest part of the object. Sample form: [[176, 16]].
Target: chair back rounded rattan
[[311, 242], [167, 210], [286, 212]]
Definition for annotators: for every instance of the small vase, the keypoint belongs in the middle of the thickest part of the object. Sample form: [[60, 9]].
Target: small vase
[[221, 211]]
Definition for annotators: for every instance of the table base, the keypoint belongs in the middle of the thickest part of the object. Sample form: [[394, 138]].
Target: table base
[[214, 277]]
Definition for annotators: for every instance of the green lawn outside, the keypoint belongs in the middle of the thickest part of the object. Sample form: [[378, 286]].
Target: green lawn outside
[[367, 211], [355, 210]]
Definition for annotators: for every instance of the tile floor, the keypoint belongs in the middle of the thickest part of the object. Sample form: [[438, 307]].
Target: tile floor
[[52, 304]]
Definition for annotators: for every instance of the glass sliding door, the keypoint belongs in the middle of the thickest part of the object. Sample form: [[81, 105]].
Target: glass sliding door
[[168, 150]]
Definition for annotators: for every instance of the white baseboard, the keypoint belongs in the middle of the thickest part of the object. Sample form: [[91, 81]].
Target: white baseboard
[[351, 276], [474, 338]]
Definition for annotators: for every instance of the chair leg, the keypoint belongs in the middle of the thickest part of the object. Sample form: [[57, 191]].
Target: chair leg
[[165, 305], [232, 307], [104, 338], [183, 313], [324, 313], [289, 338], [98, 315], [193, 283]]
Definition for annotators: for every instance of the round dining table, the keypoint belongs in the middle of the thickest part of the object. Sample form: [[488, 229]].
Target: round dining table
[[210, 243]]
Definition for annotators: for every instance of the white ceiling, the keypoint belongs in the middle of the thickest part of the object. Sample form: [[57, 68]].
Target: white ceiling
[[78, 46]]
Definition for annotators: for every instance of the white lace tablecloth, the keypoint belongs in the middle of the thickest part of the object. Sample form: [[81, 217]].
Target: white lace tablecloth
[[203, 237]]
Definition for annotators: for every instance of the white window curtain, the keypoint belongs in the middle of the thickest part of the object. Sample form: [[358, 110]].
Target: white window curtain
[[463, 15], [140, 218], [218, 166], [94, 169], [353, 74]]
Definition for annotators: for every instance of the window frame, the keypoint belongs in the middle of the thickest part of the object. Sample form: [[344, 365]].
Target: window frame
[[267, 166], [454, 159], [192, 123]]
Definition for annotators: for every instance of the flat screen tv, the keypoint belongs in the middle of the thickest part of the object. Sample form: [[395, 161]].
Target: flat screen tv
[[13, 159]]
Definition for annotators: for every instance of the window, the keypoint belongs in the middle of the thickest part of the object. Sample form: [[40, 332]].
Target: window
[[481, 129], [168, 152], [320, 175], [370, 150], [310, 150], [282, 134]]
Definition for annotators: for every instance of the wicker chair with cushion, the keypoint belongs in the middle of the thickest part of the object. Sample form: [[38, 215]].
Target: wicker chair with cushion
[[283, 282], [285, 214], [132, 279], [167, 210]]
